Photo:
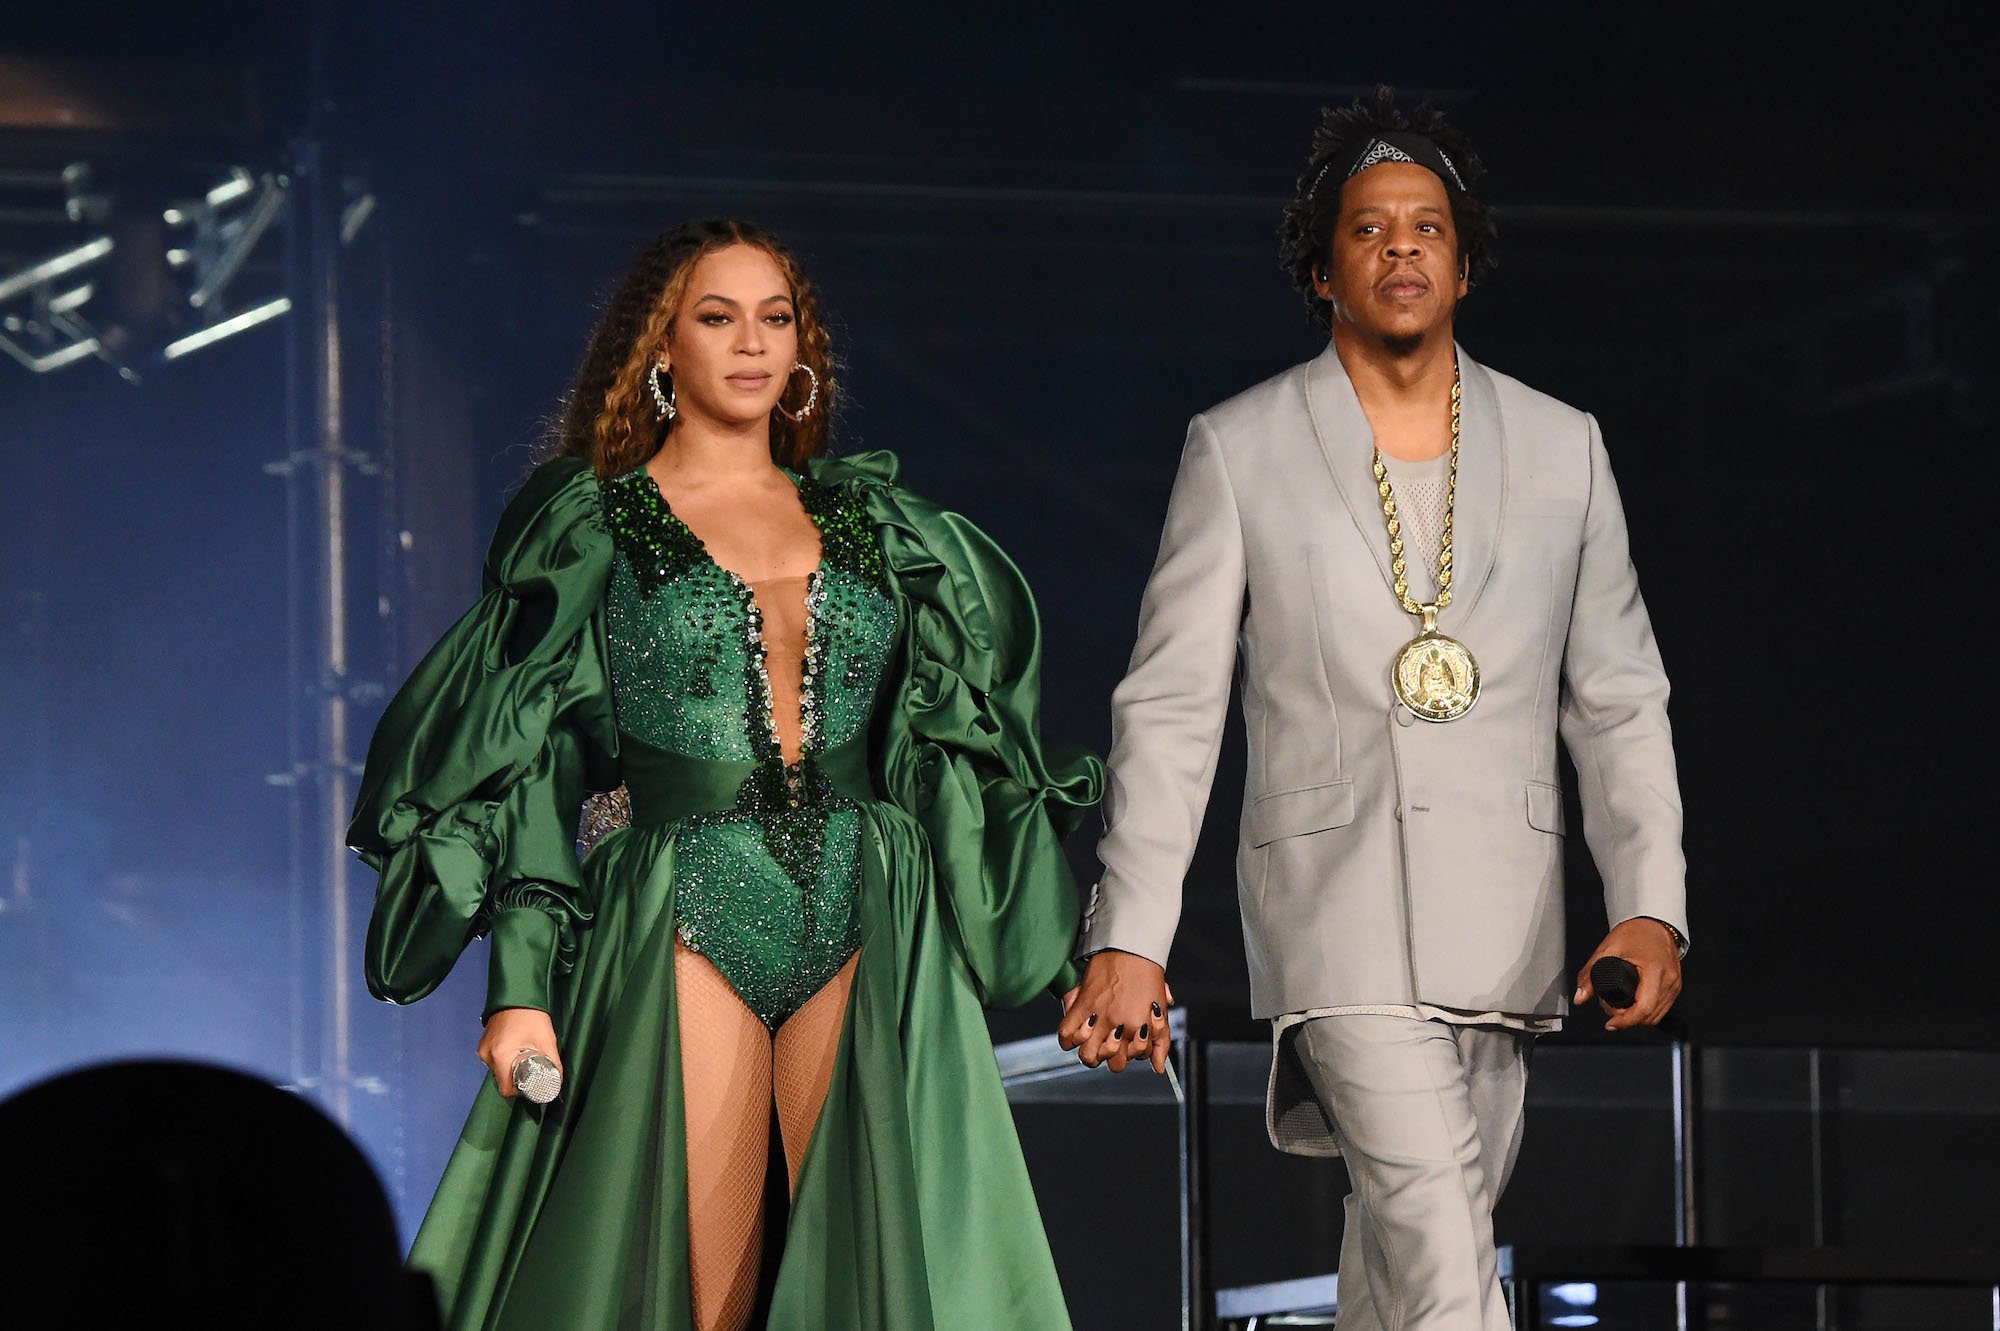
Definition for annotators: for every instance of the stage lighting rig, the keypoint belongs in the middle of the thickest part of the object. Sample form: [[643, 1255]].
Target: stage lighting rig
[[159, 282], [225, 225], [46, 331]]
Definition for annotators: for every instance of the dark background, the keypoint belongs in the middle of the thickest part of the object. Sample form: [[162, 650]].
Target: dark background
[[1758, 247]]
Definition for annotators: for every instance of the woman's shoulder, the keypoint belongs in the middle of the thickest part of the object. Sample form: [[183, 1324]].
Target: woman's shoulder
[[558, 513], [874, 479], [559, 485], [941, 557], [875, 469]]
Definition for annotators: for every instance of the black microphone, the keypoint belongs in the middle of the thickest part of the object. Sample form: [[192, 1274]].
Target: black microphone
[[1616, 981]]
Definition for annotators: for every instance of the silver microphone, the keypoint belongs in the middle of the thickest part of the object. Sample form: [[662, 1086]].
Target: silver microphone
[[536, 1076]]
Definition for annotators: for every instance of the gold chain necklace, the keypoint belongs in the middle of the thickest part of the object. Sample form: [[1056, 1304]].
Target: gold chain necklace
[[1434, 675]]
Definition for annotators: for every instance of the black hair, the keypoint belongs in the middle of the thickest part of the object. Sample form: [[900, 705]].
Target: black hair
[[1305, 236]]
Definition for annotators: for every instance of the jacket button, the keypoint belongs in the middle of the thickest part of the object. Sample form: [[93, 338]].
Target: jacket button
[[1404, 716]]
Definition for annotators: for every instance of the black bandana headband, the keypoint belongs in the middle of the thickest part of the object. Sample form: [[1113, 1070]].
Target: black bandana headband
[[1387, 146]]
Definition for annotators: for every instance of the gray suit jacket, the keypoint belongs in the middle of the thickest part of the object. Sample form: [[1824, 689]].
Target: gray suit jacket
[[1383, 858]]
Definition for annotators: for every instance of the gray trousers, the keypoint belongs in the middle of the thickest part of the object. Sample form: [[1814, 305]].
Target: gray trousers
[[1428, 1117]]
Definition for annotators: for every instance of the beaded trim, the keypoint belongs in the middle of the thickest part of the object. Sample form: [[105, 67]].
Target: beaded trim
[[847, 537], [764, 741], [603, 814], [659, 546], [812, 712]]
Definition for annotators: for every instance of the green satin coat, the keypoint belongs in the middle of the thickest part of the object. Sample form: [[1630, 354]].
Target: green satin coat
[[914, 1209]]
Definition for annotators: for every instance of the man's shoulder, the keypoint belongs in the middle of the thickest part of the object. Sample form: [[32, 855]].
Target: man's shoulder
[[1520, 403], [1249, 415]]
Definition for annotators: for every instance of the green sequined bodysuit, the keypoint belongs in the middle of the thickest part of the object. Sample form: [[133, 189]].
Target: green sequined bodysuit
[[765, 889]]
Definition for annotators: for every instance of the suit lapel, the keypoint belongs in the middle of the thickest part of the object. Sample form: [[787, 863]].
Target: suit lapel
[[1482, 488], [1348, 445]]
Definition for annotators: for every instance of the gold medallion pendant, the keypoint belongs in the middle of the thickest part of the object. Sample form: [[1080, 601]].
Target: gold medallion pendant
[[1436, 677]]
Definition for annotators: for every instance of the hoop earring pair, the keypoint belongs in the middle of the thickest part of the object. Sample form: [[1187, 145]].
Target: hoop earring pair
[[663, 398]]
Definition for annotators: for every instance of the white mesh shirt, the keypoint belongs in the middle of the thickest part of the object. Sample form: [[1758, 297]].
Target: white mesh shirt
[[1419, 488]]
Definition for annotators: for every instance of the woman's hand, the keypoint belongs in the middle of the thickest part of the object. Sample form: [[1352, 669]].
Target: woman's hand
[[508, 1032]]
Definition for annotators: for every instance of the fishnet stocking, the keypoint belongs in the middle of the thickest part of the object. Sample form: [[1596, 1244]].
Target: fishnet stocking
[[726, 1089], [731, 1070], [804, 1050]]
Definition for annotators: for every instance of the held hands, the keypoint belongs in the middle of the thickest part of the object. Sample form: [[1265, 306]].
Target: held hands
[[508, 1032], [1650, 947], [1118, 1015]]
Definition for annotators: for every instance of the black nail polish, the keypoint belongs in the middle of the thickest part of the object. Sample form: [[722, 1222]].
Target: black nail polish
[[1118, 1032], [1092, 1022], [1146, 1031], [1157, 1012]]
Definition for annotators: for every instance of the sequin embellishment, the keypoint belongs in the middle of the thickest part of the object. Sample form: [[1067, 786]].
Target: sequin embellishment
[[765, 888]]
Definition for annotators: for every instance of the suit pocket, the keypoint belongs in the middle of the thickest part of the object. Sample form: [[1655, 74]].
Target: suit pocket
[[1286, 813], [1545, 807]]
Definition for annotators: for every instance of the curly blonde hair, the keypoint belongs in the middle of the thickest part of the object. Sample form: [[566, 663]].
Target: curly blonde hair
[[609, 418]]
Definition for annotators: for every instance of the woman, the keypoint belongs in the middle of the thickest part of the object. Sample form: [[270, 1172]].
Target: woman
[[821, 695]]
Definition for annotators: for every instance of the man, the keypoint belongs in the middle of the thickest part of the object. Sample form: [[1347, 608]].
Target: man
[[1424, 569]]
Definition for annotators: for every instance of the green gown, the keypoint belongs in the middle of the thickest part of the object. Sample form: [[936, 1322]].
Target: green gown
[[931, 792]]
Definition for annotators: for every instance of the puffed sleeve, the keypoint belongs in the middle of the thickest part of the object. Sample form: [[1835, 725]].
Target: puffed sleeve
[[963, 749], [470, 796]]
